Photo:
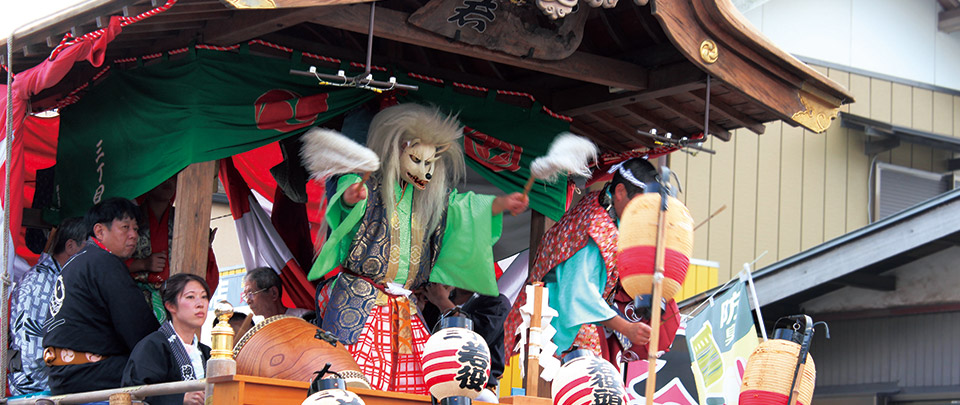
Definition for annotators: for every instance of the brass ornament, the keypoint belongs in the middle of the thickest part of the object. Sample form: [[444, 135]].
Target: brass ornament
[[222, 335], [817, 114], [709, 51]]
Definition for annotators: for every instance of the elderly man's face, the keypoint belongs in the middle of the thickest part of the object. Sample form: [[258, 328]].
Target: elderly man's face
[[257, 298]]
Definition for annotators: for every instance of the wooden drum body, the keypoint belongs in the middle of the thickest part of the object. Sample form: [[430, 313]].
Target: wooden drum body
[[289, 348]]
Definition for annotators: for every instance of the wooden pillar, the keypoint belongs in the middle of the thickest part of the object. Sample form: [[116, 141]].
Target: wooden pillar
[[537, 229], [191, 224], [539, 224]]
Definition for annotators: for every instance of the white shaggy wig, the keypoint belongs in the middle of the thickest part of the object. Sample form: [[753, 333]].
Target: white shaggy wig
[[396, 125]]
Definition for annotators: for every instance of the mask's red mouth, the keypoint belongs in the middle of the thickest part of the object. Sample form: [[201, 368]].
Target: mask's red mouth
[[416, 181]]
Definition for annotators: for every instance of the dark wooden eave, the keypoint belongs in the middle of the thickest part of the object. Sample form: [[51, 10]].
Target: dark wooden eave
[[747, 62], [637, 68]]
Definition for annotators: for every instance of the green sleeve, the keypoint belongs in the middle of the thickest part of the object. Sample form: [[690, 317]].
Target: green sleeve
[[343, 222], [466, 254]]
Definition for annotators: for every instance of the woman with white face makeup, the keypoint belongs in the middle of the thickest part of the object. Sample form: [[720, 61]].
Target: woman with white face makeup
[[172, 353]]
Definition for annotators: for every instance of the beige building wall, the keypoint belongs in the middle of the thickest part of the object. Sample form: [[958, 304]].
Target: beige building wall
[[790, 189], [225, 245]]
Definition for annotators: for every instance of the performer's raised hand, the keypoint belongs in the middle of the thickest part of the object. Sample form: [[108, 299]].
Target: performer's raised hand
[[354, 194], [637, 332], [513, 202], [439, 295]]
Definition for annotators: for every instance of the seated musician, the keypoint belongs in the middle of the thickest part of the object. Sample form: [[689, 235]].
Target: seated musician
[[164, 355], [262, 290], [30, 308], [97, 314]]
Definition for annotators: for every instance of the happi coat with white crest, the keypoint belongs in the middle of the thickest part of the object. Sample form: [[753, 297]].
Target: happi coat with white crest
[[376, 250]]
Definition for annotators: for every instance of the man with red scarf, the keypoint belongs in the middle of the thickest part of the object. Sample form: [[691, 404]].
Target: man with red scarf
[[577, 261]]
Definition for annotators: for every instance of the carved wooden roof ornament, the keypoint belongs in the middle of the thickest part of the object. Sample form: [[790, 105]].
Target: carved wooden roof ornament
[[556, 9], [503, 26], [716, 38]]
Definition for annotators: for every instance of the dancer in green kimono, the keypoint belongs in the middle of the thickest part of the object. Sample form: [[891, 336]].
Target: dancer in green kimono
[[401, 229]]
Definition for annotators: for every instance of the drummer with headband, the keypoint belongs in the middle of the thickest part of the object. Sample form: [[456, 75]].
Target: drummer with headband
[[577, 261]]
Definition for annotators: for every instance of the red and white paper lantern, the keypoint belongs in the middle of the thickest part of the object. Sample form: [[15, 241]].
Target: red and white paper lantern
[[332, 392], [586, 379], [456, 362]]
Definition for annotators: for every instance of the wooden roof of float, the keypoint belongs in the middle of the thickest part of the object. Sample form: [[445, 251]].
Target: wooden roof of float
[[630, 68]]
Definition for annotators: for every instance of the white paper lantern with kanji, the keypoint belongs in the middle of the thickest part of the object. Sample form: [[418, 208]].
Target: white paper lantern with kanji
[[587, 379], [334, 396], [456, 362]]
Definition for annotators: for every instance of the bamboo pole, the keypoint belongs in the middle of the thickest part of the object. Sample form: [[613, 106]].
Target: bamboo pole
[[139, 391], [6, 232], [654, 342]]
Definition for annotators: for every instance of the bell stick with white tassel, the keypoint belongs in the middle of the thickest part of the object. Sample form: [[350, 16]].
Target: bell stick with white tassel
[[568, 153], [326, 152]]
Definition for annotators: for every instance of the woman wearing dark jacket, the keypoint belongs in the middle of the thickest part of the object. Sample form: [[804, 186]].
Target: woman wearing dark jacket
[[164, 355]]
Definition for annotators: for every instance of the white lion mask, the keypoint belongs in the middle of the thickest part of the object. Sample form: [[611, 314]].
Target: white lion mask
[[417, 162]]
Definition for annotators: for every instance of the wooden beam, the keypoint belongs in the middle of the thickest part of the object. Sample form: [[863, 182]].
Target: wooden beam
[[404, 62], [249, 24], [659, 123], [580, 66], [174, 26], [692, 117], [664, 81], [949, 21], [600, 138], [726, 110], [275, 4], [36, 50], [175, 18], [179, 8], [538, 226], [61, 22], [191, 223], [617, 124]]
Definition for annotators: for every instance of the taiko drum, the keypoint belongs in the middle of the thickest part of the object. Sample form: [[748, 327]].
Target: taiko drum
[[290, 348]]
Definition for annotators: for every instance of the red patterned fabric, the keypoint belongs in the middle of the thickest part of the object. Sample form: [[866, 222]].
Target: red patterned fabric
[[385, 369], [562, 241]]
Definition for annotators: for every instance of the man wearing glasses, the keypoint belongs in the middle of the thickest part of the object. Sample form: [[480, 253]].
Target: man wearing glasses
[[262, 290]]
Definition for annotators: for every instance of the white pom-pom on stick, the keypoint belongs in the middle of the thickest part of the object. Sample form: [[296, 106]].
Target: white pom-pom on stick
[[568, 153], [326, 152]]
